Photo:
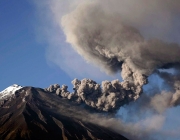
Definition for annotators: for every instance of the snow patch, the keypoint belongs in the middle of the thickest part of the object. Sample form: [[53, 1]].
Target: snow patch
[[9, 91]]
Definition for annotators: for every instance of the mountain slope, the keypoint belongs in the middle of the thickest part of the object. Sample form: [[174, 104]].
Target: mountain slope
[[36, 114]]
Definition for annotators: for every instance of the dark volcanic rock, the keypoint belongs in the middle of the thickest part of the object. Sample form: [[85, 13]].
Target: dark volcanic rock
[[35, 114]]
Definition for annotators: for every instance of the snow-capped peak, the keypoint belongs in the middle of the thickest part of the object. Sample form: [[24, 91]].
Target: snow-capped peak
[[9, 91]]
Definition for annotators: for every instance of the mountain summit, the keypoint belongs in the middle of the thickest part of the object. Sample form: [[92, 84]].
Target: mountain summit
[[9, 91], [28, 113]]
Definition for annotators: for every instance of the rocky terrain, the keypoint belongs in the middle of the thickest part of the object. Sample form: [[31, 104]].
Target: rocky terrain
[[37, 114]]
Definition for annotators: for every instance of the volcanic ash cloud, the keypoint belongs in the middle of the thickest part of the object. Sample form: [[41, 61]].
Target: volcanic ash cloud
[[104, 39], [107, 40], [108, 96]]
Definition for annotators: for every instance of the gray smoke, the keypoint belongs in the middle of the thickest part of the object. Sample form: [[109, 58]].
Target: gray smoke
[[127, 36], [172, 98], [108, 96], [104, 39], [156, 99], [102, 36]]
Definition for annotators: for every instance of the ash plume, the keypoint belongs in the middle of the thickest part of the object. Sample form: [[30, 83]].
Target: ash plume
[[106, 40], [131, 37], [108, 96], [103, 36], [172, 98], [156, 99]]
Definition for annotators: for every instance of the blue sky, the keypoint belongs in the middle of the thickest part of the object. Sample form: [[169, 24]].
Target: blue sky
[[33, 51], [22, 56]]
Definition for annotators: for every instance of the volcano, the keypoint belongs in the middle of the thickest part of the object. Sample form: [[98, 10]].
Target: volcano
[[30, 113]]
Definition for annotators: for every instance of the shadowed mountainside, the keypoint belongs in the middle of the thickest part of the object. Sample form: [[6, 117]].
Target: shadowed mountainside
[[35, 114]]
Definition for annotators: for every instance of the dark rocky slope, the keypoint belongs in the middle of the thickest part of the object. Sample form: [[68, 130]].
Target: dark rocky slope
[[35, 114]]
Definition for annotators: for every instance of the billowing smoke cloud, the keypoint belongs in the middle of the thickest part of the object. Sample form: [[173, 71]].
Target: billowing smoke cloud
[[120, 35], [108, 96], [104, 37], [156, 99]]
